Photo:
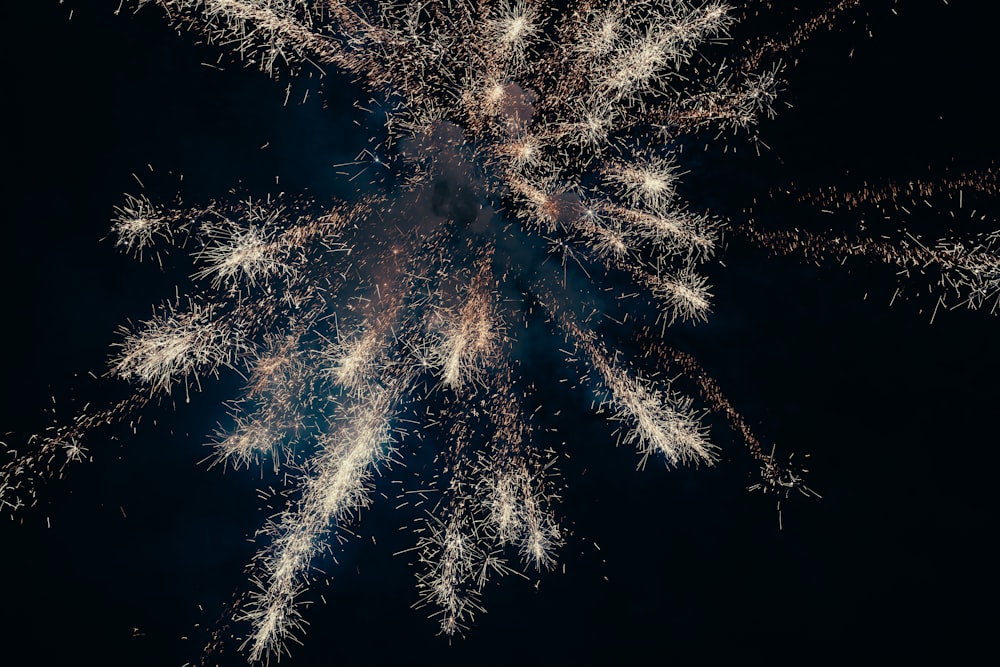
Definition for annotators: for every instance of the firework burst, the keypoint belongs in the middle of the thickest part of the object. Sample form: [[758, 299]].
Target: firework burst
[[534, 154]]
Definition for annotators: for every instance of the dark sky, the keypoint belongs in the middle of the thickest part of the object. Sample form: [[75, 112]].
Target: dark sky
[[898, 415]]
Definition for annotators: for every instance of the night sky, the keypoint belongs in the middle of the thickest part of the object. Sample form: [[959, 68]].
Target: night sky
[[131, 559]]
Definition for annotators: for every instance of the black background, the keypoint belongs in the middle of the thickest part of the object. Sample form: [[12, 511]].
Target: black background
[[130, 558]]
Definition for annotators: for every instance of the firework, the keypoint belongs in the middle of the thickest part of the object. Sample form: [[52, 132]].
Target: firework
[[535, 161]]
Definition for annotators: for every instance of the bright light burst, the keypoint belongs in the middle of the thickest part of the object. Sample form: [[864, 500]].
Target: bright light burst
[[535, 154]]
